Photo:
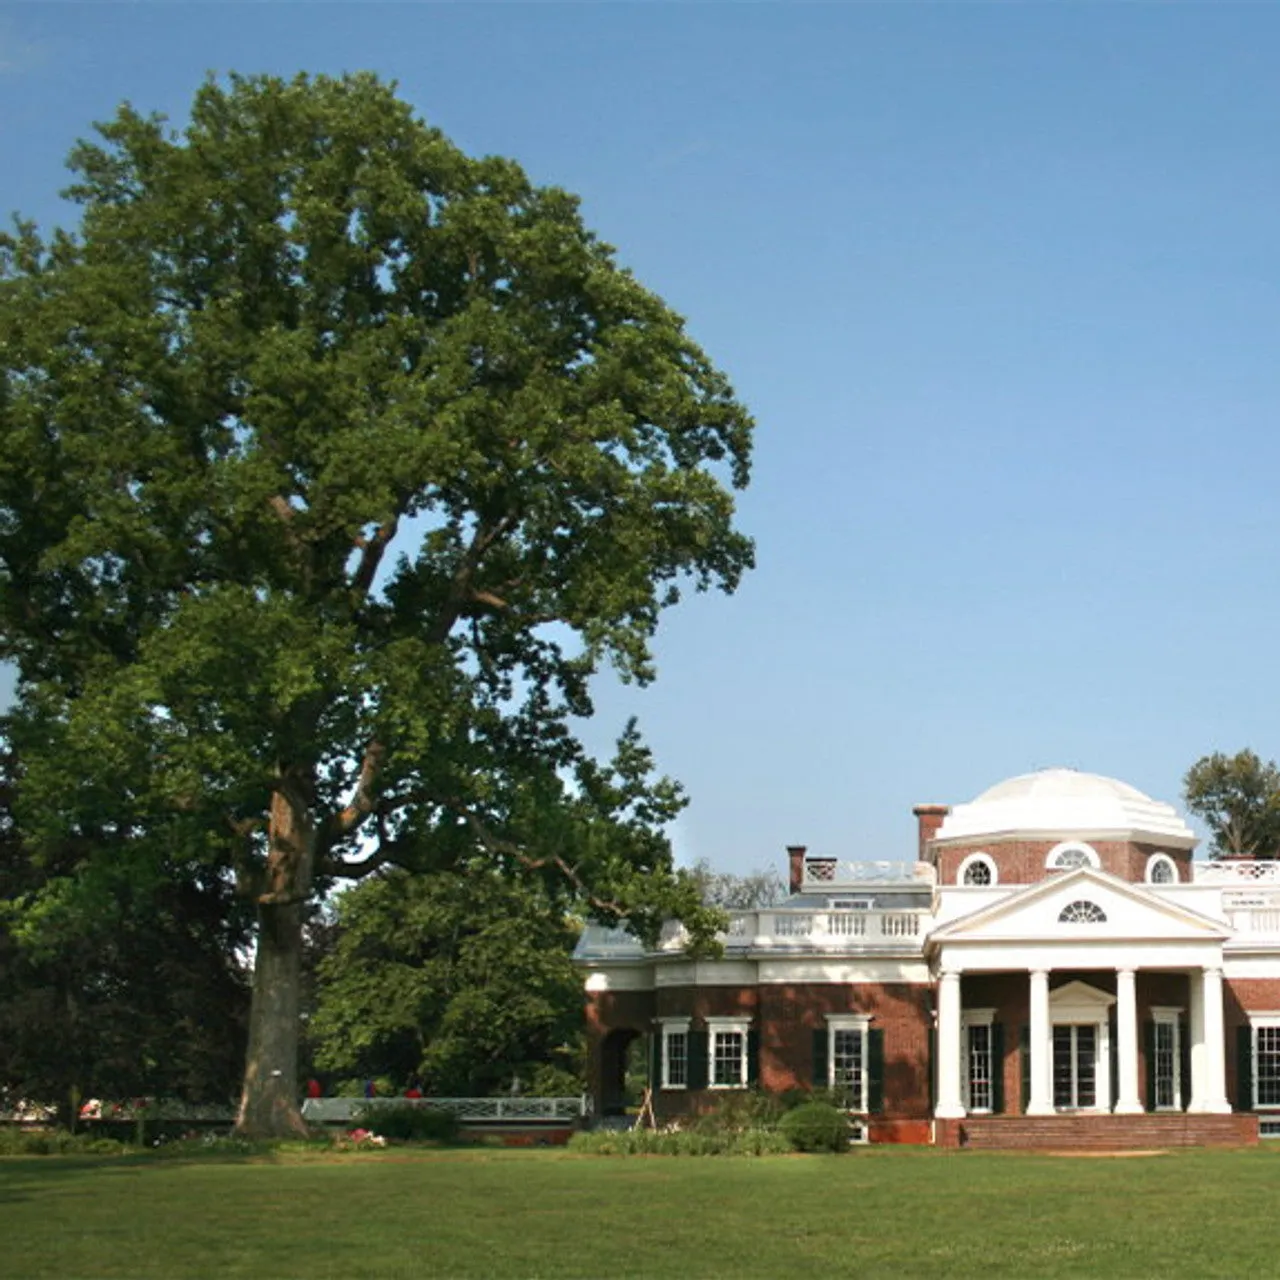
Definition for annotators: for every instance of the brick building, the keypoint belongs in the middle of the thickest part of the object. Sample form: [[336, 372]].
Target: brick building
[[1054, 968]]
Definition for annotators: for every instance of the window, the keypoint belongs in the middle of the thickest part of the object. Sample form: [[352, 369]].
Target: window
[[1082, 912], [1166, 1064], [849, 904], [1266, 1065], [727, 1053], [977, 869], [1161, 869], [675, 1053], [847, 1058], [980, 1060], [1070, 856]]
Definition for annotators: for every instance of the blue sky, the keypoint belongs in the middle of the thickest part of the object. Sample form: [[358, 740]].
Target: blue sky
[[1000, 284]]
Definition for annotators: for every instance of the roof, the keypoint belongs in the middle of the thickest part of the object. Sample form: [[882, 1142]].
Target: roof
[[1066, 802]]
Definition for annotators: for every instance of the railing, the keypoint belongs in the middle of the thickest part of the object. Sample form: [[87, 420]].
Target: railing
[[768, 928], [469, 1110], [827, 873], [1232, 872]]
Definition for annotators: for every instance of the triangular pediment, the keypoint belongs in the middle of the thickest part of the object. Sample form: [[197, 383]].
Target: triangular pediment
[[1081, 906]]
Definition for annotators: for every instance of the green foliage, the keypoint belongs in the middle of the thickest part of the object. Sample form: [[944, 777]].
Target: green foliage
[[336, 464], [17, 1141], [462, 980], [1238, 799], [681, 1142], [816, 1126], [741, 1110], [404, 1122]]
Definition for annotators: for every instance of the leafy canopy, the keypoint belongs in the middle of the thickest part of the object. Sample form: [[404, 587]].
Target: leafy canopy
[[460, 980], [1238, 799], [335, 463]]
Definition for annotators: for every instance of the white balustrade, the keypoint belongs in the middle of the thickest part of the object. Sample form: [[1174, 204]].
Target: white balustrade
[[826, 872], [1232, 872]]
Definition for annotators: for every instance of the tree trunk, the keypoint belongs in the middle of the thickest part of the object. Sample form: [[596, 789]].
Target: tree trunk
[[269, 1100]]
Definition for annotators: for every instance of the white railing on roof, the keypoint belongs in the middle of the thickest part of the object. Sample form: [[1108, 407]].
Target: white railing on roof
[[493, 1110], [1232, 872], [828, 872], [1258, 921], [832, 929]]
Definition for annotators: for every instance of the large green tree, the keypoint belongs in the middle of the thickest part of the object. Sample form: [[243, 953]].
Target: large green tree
[[1238, 799], [463, 979], [334, 463]]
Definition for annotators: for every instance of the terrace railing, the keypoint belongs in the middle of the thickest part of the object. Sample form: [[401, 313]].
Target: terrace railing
[[507, 1110]]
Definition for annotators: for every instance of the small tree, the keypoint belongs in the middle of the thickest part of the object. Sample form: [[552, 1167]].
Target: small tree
[[730, 891], [1238, 799]]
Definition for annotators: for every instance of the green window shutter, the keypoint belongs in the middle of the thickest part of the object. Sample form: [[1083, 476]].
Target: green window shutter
[[655, 1060], [875, 1070], [1184, 1056], [753, 1056], [930, 1068], [997, 1067], [820, 1058], [698, 1047], [1244, 1068], [1024, 1056], [1149, 1049]]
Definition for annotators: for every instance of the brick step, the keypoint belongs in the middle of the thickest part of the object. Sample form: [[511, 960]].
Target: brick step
[[1097, 1133]]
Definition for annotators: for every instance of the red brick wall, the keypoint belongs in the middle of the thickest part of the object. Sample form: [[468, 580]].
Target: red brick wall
[[1240, 997], [1022, 861], [785, 1018]]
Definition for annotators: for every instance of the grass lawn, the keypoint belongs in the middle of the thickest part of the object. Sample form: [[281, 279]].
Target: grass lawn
[[879, 1212]]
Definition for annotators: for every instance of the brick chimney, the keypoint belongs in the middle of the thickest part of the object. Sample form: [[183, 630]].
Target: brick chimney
[[930, 818], [795, 865]]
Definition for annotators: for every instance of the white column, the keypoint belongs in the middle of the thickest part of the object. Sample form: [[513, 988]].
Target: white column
[[1041, 1100], [950, 1104], [1215, 1044], [1127, 1100], [1199, 1085]]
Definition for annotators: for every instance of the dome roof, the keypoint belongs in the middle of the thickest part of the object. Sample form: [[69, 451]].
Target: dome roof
[[1065, 802]]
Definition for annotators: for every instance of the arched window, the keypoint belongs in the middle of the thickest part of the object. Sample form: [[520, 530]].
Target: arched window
[[977, 869], [1082, 912], [1161, 869], [1070, 855]]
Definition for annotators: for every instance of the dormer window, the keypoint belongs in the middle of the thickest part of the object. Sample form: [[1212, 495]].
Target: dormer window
[[1082, 912], [1161, 869]]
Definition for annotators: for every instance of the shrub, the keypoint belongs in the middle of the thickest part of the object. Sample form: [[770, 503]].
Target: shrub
[[405, 1122], [680, 1142], [736, 1112], [816, 1126], [15, 1141]]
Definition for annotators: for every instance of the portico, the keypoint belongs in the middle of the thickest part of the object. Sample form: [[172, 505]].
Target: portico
[[1082, 943]]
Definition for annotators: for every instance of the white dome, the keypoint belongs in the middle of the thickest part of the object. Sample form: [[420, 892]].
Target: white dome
[[1061, 802]]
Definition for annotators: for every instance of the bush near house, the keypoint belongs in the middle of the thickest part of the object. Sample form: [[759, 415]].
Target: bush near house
[[816, 1126]]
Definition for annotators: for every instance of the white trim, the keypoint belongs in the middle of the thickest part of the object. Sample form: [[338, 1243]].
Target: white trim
[[978, 859], [669, 1027], [860, 1023], [1162, 860], [727, 1026], [977, 1018], [1168, 1016], [1258, 1021], [1072, 846]]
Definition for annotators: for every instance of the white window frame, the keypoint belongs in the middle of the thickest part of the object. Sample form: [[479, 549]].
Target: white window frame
[[1168, 1015], [1161, 860], [1257, 1022], [977, 1018], [981, 859], [670, 1027], [1072, 846], [850, 904], [727, 1026], [861, 1024]]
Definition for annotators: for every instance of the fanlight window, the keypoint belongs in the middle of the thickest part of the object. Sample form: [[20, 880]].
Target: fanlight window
[[977, 873], [1082, 912], [1070, 859]]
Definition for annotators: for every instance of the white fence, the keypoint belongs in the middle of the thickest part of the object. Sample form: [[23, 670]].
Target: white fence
[[827, 873], [510, 1110]]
